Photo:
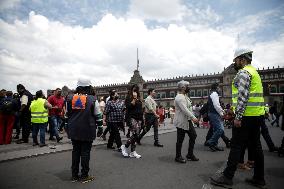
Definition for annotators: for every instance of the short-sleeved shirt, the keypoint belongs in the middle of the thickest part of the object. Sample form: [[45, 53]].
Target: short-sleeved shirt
[[56, 101]]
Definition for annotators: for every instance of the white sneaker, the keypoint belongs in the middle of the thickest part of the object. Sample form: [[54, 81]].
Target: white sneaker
[[134, 155], [124, 151]]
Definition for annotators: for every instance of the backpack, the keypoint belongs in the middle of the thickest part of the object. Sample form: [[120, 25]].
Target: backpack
[[7, 106]]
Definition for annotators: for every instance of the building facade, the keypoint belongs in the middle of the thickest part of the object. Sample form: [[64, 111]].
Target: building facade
[[166, 89]]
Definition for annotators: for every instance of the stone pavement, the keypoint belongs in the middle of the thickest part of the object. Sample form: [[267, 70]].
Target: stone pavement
[[15, 151]]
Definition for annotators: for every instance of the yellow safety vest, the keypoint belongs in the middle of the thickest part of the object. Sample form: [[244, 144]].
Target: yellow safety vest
[[255, 104], [38, 111]]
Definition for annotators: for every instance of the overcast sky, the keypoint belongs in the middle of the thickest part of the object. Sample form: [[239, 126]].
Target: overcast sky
[[45, 44]]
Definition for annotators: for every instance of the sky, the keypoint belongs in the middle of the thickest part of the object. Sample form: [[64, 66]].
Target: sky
[[45, 44]]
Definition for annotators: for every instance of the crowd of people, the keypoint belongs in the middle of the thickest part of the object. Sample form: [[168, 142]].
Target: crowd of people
[[82, 116]]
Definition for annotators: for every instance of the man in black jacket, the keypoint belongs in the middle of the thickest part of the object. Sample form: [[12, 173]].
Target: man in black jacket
[[84, 116]]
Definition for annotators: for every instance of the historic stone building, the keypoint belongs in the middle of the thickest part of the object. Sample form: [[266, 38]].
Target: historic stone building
[[273, 83]]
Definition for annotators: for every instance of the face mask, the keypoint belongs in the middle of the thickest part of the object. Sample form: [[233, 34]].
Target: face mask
[[237, 67], [187, 89], [115, 97]]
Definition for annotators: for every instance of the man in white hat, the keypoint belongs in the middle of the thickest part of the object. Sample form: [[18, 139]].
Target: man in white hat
[[248, 105], [84, 116]]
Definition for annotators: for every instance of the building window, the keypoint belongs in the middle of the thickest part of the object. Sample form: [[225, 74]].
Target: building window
[[145, 95], [199, 93], [282, 75], [158, 95], [261, 76], [163, 95], [276, 76], [192, 93], [271, 76], [281, 88], [273, 89], [172, 94], [205, 92]]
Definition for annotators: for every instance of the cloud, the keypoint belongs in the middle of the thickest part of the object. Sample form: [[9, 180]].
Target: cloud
[[8, 4], [45, 54], [160, 10], [269, 54]]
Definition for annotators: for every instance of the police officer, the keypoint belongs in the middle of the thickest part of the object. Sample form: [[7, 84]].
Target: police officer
[[84, 116], [248, 104]]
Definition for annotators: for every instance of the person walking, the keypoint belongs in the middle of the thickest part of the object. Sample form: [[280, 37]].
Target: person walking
[[114, 112], [39, 117], [248, 104], [134, 112], [84, 116], [184, 120], [151, 118], [215, 114]]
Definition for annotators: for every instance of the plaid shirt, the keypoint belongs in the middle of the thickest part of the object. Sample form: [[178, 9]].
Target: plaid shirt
[[242, 82], [114, 111]]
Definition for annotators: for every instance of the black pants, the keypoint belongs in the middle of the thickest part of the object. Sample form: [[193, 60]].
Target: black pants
[[150, 120], [180, 137], [106, 130], [114, 134], [265, 134], [247, 134], [223, 136], [81, 152], [25, 122]]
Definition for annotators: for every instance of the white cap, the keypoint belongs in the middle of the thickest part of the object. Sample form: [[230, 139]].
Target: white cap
[[240, 52], [84, 82]]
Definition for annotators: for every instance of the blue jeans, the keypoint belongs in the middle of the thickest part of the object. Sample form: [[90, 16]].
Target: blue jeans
[[39, 127], [218, 128], [55, 122]]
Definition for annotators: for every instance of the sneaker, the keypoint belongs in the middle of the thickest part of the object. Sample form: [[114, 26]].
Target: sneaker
[[59, 139], [51, 138], [21, 141], [75, 179], [35, 143], [221, 180], [42, 145], [134, 155], [180, 160], [124, 151], [157, 144], [192, 158], [256, 182], [87, 179]]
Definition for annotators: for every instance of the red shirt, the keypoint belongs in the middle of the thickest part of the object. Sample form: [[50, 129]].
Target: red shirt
[[56, 101]]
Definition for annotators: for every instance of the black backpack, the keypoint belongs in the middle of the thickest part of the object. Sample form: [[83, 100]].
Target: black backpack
[[7, 106]]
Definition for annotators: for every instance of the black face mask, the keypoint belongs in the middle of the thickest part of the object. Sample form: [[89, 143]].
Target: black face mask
[[187, 90], [115, 97]]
